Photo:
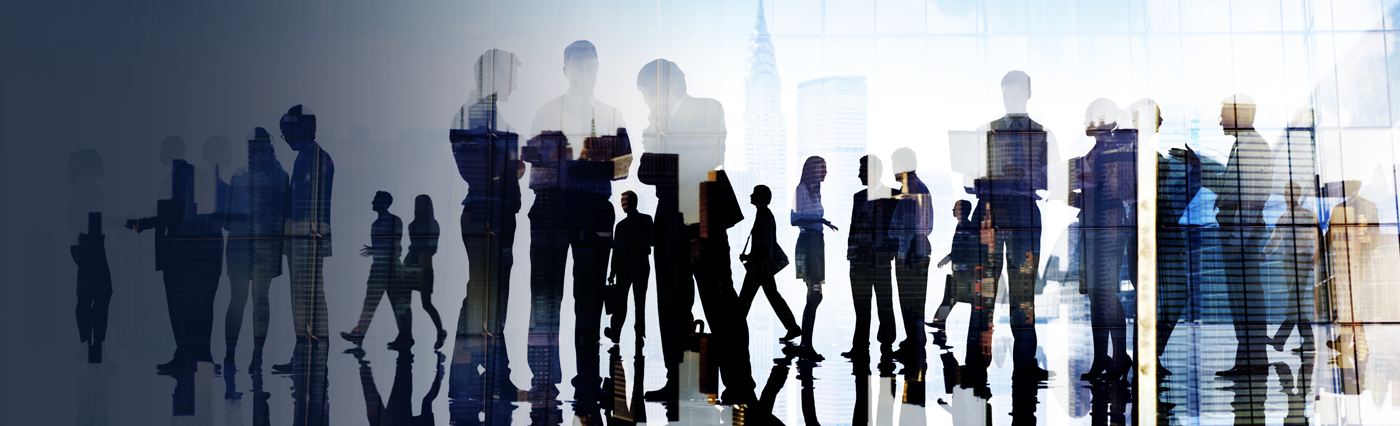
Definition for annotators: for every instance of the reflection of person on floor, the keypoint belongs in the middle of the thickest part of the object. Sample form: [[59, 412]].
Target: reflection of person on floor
[[809, 258], [1106, 179], [258, 196], [870, 249], [760, 262], [632, 241], [1294, 242], [399, 410], [386, 244], [423, 234], [90, 252]]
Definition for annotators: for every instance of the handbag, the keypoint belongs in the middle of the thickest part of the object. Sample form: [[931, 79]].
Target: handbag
[[775, 262]]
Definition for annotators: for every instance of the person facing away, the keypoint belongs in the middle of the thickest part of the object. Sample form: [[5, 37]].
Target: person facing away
[[423, 234], [764, 239], [632, 241], [386, 245], [871, 251], [254, 255], [810, 255], [89, 251], [307, 228], [577, 111]]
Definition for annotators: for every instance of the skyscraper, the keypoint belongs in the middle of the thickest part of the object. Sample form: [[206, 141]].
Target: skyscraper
[[831, 123], [765, 134]]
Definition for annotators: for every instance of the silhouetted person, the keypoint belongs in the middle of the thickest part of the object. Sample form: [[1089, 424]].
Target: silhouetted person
[[423, 234], [1352, 239], [547, 154], [631, 267], [576, 112], [693, 130], [1107, 177], [763, 261], [675, 288], [399, 409], [386, 245], [258, 195], [189, 252], [589, 221], [714, 283], [810, 254], [1294, 241], [1242, 190], [912, 223], [1018, 151], [488, 159], [968, 255], [871, 249], [90, 253], [308, 234]]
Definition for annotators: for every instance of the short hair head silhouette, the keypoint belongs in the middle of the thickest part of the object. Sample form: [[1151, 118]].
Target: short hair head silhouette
[[495, 74], [904, 161], [761, 195], [581, 66], [299, 127], [382, 201], [1237, 112], [1015, 91], [661, 82], [1101, 116]]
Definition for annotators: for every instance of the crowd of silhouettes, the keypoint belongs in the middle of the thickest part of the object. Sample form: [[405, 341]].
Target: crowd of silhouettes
[[270, 214]]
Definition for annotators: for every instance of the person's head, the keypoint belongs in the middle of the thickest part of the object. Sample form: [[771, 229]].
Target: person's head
[[904, 161], [581, 66], [1294, 194], [495, 74], [171, 149], [1237, 112], [259, 148], [813, 171], [761, 196], [864, 173], [382, 201], [84, 164], [299, 127], [629, 202], [423, 207], [961, 209], [661, 83], [1147, 115], [218, 152], [1101, 116], [1015, 91]]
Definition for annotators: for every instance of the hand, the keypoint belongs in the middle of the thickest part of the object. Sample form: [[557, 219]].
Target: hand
[[829, 225], [945, 260], [367, 251]]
